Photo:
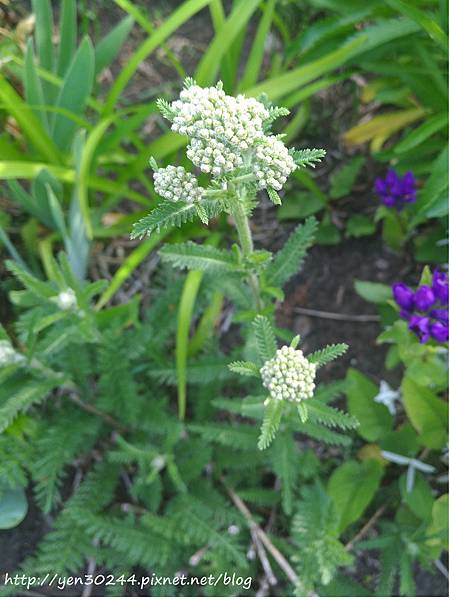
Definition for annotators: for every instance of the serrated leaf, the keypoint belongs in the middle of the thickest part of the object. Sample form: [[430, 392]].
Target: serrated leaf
[[288, 261], [198, 257], [327, 354], [308, 157], [265, 338], [248, 369], [271, 423]]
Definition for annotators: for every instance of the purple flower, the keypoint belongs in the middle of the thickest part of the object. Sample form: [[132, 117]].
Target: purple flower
[[420, 326], [439, 331], [440, 286], [424, 298], [426, 309], [396, 191], [403, 295]]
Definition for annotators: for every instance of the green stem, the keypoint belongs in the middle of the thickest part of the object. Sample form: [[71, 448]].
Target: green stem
[[246, 241]]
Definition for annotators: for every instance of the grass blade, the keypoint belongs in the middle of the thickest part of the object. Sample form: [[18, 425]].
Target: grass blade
[[180, 16], [68, 35], [210, 63], [109, 46], [34, 95]]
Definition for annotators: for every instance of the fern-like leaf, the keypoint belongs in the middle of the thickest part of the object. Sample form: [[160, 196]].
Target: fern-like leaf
[[271, 424], [265, 338], [307, 157], [166, 214], [288, 261], [197, 257], [285, 465], [329, 416], [248, 369], [327, 354]]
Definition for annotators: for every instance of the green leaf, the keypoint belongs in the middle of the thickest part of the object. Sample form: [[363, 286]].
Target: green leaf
[[427, 413], [210, 63], [302, 205], [285, 460], [13, 507], [351, 487], [437, 532], [74, 93], [33, 88], [428, 24], [327, 354], [308, 157], [248, 369], [176, 19], [329, 416], [271, 423], [288, 261], [189, 255], [377, 293], [166, 214], [420, 134], [343, 178], [420, 499], [68, 35], [44, 30], [374, 418], [359, 226], [265, 338], [108, 47]]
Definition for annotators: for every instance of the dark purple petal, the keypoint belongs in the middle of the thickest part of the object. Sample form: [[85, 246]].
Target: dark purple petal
[[403, 295], [380, 186], [441, 314], [440, 286], [391, 178], [424, 298], [421, 327], [389, 201], [439, 332], [409, 181]]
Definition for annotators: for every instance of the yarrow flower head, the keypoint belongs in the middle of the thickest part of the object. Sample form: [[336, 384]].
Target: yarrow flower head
[[426, 309], [395, 191], [289, 375], [177, 185], [227, 133]]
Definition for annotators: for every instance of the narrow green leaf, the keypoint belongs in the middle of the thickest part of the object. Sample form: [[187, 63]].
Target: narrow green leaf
[[67, 34], [420, 17], [265, 338], [44, 29], [32, 87], [327, 354], [271, 424], [109, 47], [74, 93], [248, 369], [198, 257]]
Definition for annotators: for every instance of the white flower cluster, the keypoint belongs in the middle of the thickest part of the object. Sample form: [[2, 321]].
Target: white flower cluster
[[176, 184], [227, 133], [289, 375], [8, 356], [66, 300], [273, 163]]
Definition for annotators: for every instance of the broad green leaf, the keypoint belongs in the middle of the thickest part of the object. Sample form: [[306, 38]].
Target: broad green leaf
[[343, 178], [427, 412], [74, 93], [374, 418], [359, 226], [420, 499], [351, 487], [377, 293], [13, 507], [437, 532]]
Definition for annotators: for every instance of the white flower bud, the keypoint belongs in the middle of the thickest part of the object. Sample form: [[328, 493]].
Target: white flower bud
[[289, 375], [66, 300]]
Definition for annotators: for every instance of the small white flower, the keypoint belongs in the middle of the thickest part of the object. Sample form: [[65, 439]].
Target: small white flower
[[9, 356], [388, 397], [289, 375], [158, 463], [66, 300]]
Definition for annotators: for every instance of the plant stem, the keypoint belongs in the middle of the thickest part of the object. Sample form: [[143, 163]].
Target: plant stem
[[246, 241]]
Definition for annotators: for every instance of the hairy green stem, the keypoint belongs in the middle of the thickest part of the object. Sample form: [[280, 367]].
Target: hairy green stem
[[246, 241]]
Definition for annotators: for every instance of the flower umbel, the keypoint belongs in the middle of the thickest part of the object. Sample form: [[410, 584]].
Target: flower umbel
[[395, 191], [177, 185], [289, 375], [426, 309]]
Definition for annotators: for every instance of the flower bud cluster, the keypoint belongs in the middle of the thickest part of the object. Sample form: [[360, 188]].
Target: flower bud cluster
[[227, 133], [8, 356], [176, 184], [273, 163], [289, 375]]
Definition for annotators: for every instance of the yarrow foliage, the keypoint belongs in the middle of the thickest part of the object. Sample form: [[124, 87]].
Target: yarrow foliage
[[426, 309], [289, 375], [395, 191]]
